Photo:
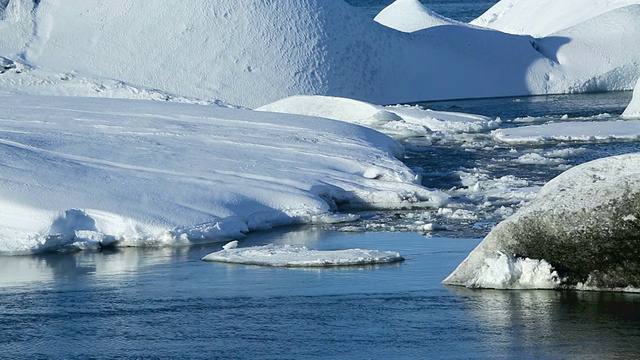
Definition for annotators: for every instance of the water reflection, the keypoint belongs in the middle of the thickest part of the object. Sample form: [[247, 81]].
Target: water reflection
[[558, 324]]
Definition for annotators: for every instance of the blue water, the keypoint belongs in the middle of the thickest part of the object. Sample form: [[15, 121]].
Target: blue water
[[166, 303], [461, 10]]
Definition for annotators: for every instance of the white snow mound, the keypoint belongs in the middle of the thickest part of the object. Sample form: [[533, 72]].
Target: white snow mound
[[409, 16], [580, 232], [293, 256]]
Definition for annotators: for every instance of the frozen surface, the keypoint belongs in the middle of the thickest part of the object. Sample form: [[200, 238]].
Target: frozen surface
[[85, 173], [300, 256], [251, 53], [540, 18], [581, 231], [399, 121], [633, 110], [571, 131], [409, 16]]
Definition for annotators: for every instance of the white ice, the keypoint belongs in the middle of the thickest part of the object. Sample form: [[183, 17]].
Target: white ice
[[409, 16], [251, 53], [295, 256], [84, 173], [571, 131], [633, 110]]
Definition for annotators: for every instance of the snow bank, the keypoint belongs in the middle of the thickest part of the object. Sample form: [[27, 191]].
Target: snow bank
[[633, 110], [251, 53], [399, 121], [292, 256], [86, 173], [582, 131], [540, 18], [409, 16], [581, 231]]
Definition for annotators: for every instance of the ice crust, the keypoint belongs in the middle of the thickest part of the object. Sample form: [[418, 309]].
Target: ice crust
[[86, 173], [295, 256], [582, 231], [250, 53]]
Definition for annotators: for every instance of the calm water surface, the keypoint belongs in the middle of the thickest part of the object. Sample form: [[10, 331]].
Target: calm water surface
[[166, 303]]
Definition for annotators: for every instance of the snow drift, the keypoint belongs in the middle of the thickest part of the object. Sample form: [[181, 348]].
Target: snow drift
[[86, 173], [583, 230], [251, 53], [409, 16]]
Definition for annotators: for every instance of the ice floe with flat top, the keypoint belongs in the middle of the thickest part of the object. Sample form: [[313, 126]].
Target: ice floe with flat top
[[580, 232], [579, 131], [295, 256]]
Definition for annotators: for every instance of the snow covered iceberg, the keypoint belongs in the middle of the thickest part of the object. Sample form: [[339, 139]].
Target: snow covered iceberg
[[85, 173], [582, 231], [251, 53], [409, 16]]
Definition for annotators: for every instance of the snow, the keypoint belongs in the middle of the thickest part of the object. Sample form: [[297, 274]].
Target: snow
[[398, 121], [583, 131], [86, 173], [580, 232], [293, 256], [409, 16], [633, 110], [252, 53], [541, 18]]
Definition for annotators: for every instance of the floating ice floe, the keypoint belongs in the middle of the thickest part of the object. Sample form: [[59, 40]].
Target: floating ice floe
[[293, 256], [571, 131], [633, 110], [86, 173], [582, 231], [398, 121], [250, 53]]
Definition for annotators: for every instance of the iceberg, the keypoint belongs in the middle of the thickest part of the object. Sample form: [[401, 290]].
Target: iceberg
[[294, 256], [582, 231], [409, 16], [633, 110], [252, 53], [84, 173]]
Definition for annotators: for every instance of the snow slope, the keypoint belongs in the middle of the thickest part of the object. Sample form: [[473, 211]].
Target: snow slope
[[581, 231], [85, 173], [633, 110], [409, 16], [251, 53], [541, 18]]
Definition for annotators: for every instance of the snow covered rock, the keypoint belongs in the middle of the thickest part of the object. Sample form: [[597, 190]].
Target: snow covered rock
[[582, 231], [292, 256], [633, 110], [87, 172], [409, 16]]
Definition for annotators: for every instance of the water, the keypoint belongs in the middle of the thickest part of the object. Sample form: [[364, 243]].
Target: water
[[461, 10], [165, 303]]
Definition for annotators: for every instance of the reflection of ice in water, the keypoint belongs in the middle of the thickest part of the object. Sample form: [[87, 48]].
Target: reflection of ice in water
[[557, 324]]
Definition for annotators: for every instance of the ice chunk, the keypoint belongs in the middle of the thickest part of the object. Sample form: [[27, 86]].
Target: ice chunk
[[633, 110], [409, 16], [580, 131], [293, 256]]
